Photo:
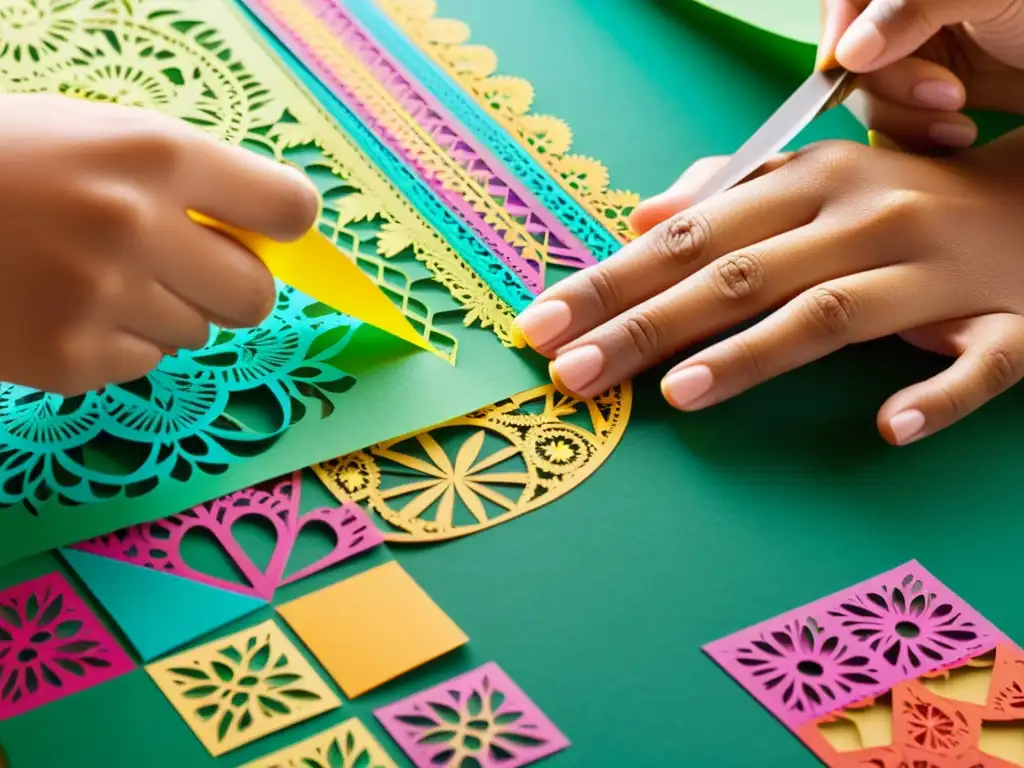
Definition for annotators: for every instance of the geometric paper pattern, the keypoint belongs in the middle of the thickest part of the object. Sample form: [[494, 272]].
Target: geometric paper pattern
[[157, 545], [51, 645], [157, 611], [349, 745], [479, 718], [237, 689], [854, 644]]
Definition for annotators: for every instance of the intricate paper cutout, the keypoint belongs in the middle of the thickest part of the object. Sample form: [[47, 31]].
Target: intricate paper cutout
[[482, 469], [158, 545], [51, 645], [479, 718], [853, 644], [371, 628], [508, 100], [349, 745], [928, 729], [155, 611], [359, 72], [185, 418], [237, 689]]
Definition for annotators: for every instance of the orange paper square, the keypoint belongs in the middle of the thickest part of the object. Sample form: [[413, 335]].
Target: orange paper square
[[372, 628]]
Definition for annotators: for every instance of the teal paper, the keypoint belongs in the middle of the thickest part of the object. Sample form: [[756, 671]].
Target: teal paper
[[156, 611]]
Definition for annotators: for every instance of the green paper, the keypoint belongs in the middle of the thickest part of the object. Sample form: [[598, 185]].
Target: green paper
[[157, 612], [798, 20]]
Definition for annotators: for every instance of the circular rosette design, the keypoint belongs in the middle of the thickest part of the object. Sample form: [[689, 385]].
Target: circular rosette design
[[482, 469], [38, 35]]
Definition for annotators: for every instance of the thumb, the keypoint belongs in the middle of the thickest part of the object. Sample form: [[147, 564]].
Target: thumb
[[890, 30], [836, 17]]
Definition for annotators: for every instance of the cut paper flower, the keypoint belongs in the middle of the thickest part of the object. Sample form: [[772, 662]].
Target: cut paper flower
[[854, 644], [480, 718], [349, 745], [158, 545], [240, 688], [51, 645]]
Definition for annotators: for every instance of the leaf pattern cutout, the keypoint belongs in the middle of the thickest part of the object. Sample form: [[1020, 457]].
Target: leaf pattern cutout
[[51, 645], [243, 687], [480, 718], [349, 745]]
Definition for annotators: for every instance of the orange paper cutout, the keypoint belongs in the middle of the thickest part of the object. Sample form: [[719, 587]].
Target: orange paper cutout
[[349, 745], [372, 628], [240, 688]]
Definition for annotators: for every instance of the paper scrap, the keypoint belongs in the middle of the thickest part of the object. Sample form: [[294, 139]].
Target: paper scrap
[[837, 650], [157, 612], [314, 266], [480, 718], [237, 689], [349, 745], [371, 628], [51, 645]]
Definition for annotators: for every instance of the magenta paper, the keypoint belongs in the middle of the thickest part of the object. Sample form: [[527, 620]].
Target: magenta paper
[[856, 643], [158, 545], [480, 715], [51, 646]]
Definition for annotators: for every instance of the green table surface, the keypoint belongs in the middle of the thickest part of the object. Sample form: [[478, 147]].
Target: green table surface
[[698, 525]]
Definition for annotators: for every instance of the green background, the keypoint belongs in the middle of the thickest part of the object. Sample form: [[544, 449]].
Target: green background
[[698, 525]]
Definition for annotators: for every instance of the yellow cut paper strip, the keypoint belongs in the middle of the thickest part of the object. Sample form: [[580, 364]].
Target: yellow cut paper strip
[[315, 267], [347, 745]]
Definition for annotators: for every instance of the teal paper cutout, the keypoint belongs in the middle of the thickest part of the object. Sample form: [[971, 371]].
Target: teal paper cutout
[[157, 612]]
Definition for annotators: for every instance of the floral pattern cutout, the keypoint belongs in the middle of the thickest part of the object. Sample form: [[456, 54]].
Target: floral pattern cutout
[[240, 688], [158, 545], [900, 625], [51, 645], [481, 718], [349, 745]]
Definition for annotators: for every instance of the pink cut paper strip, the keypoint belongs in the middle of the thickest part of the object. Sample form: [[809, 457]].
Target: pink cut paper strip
[[158, 545], [51, 646], [856, 643], [416, 726]]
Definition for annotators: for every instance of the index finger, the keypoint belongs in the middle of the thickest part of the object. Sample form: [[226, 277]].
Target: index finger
[[245, 190], [836, 17]]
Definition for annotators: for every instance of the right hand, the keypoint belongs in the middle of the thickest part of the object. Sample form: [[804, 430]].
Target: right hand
[[923, 61], [103, 271]]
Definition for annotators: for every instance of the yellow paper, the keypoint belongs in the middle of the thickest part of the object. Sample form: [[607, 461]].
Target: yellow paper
[[349, 745], [315, 267], [372, 628], [243, 687]]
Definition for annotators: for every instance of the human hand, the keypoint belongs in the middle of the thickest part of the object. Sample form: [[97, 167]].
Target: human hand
[[926, 60], [103, 271], [846, 243]]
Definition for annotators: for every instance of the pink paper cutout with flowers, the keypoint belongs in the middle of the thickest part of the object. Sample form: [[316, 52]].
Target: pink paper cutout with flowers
[[51, 645], [157, 545], [854, 644], [481, 715]]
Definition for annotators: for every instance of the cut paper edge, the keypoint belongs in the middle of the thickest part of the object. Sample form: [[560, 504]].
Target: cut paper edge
[[157, 612], [796, 20], [315, 267]]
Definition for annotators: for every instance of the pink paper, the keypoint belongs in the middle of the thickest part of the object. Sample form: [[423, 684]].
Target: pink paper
[[51, 646], [856, 643], [481, 715], [158, 545]]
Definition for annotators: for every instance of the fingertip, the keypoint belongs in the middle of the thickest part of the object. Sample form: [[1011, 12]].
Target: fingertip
[[301, 209], [905, 426]]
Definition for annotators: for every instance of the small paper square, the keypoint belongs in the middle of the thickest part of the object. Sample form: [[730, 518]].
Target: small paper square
[[371, 628], [479, 718], [51, 645], [237, 689]]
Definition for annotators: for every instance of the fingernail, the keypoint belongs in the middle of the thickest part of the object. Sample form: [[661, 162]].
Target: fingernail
[[953, 134], [541, 323], [684, 387], [576, 369], [906, 426], [861, 44], [937, 94]]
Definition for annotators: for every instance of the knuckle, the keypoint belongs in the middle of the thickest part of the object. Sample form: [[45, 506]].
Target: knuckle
[[643, 334], [838, 161], [737, 276], [830, 311], [1000, 369], [603, 288], [909, 210], [157, 147], [119, 214], [955, 405], [684, 238]]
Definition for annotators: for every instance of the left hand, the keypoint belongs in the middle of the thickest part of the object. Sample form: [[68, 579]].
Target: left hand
[[846, 243]]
